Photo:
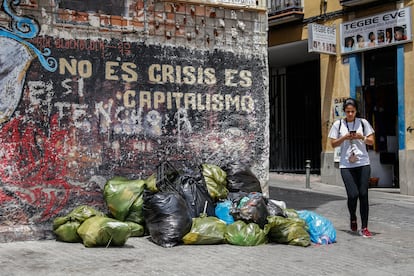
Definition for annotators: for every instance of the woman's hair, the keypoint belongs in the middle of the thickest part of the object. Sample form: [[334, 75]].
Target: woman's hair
[[350, 101], [349, 39]]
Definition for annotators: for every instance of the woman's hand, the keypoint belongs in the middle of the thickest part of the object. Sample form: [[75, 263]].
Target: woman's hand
[[356, 136], [350, 136]]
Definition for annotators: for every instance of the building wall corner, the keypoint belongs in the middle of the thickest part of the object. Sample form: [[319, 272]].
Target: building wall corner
[[330, 173], [406, 159]]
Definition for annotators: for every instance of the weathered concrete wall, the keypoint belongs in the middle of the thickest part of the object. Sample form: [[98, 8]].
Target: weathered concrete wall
[[92, 96], [406, 159]]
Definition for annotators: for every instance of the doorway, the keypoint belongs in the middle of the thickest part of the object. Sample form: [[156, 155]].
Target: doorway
[[380, 108], [295, 128]]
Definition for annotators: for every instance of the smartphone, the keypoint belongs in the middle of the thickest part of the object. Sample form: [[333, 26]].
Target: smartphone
[[352, 131]]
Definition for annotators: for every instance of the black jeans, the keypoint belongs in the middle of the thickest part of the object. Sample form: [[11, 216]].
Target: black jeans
[[356, 185]]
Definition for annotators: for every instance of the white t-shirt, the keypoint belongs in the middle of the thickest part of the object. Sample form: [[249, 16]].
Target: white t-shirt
[[357, 146]]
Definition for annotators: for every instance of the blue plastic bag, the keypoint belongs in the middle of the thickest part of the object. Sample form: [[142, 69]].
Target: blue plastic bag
[[223, 211], [320, 229]]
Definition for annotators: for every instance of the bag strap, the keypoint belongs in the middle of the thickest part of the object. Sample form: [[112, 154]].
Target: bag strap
[[339, 128], [363, 126]]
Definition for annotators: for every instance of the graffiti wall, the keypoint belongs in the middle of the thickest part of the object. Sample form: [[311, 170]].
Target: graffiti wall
[[105, 107]]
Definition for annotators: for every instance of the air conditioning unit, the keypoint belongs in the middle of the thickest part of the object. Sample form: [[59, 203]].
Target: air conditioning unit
[[351, 3]]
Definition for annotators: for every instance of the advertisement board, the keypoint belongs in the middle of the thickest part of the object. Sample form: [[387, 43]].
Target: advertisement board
[[322, 39], [380, 30]]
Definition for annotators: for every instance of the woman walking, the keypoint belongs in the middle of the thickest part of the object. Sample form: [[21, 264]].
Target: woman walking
[[352, 134]]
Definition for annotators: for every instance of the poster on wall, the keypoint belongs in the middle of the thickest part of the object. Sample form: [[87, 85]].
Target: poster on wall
[[322, 39], [380, 30]]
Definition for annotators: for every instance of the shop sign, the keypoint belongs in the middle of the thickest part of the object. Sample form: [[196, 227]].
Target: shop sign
[[322, 39], [380, 30]]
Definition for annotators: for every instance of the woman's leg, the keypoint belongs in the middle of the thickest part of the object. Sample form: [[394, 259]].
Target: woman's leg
[[365, 173], [351, 191]]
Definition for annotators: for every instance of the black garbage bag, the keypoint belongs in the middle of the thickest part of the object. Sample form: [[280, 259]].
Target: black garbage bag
[[196, 194], [235, 197], [167, 217], [252, 208], [241, 178], [166, 179], [275, 209]]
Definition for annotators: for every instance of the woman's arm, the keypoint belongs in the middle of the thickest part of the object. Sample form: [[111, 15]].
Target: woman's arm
[[337, 142], [369, 140]]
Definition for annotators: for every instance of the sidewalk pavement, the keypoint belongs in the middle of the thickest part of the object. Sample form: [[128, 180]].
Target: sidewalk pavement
[[389, 252]]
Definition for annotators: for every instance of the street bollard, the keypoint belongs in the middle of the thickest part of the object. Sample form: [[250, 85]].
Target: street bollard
[[307, 168]]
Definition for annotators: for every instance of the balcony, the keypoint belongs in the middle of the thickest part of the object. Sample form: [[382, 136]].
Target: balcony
[[352, 3], [284, 11]]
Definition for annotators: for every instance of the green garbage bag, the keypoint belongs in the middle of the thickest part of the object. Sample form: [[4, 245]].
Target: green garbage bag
[[291, 231], [216, 182], [103, 231], [241, 233], [151, 183], [120, 194], [79, 214], [65, 228], [135, 211], [137, 230], [68, 232], [206, 230], [59, 221], [83, 212], [291, 213]]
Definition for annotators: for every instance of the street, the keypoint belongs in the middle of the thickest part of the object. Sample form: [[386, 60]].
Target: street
[[389, 252]]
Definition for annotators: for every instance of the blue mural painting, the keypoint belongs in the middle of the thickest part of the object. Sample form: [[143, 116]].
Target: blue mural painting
[[16, 54]]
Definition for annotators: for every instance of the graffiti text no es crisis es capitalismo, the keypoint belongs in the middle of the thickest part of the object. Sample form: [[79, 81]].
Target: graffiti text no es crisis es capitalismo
[[169, 74]]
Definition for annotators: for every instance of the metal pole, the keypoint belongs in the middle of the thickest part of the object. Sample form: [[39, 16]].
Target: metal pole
[[308, 167]]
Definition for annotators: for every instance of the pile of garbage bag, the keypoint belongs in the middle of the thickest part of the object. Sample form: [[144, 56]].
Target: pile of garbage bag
[[206, 204]]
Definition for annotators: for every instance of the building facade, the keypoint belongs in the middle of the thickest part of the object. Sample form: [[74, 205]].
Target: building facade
[[95, 89], [360, 49]]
